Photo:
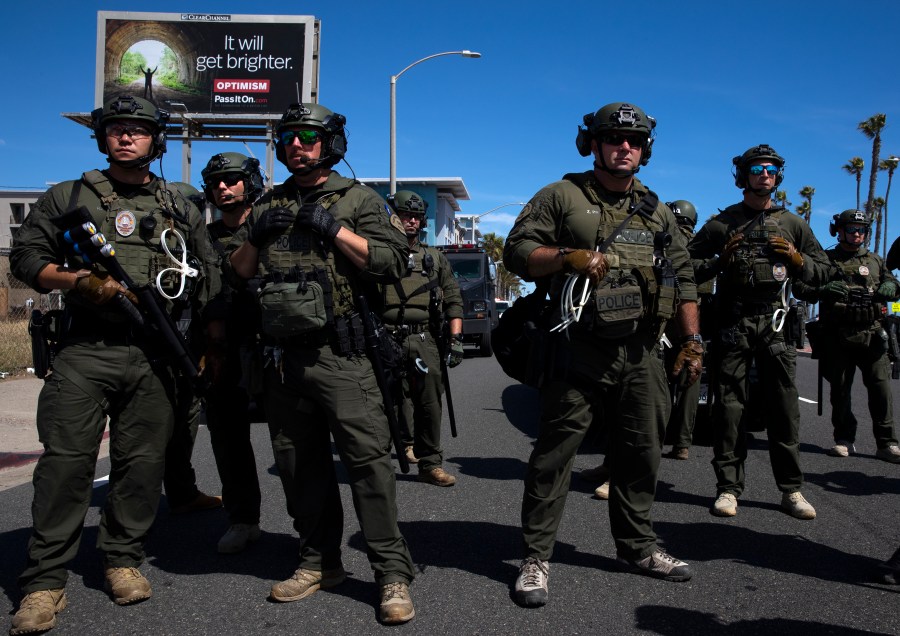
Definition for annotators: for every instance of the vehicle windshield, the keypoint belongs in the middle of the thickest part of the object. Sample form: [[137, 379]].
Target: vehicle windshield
[[502, 304], [466, 268]]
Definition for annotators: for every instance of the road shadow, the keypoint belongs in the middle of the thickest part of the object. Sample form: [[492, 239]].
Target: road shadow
[[854, 483], [674, 621]]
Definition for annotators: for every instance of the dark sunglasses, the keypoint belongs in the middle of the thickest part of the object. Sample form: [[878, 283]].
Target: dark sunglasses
[[304, 136], [617, 139], [758, 170], [229, 179], [856, 229]]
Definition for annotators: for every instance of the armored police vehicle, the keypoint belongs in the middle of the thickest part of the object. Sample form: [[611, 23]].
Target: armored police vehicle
[[476, 275]]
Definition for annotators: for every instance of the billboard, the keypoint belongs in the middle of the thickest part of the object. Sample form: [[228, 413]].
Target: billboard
[[204, 63]]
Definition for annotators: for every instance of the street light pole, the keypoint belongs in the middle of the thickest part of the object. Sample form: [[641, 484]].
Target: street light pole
[[394, 78], [476, 217], [892, 163]]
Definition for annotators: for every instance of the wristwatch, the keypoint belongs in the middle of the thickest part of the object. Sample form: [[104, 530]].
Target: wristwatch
[[696, 337]]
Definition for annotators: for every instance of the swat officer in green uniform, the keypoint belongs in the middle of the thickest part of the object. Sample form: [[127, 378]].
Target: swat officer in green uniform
[[318, 241], [755, 250], [851, 334], [605, 230], [180, 479], [232, 182], [414, 311], [687, 399], [106, 366]]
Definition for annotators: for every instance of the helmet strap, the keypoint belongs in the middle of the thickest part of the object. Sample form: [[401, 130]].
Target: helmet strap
[[617, 174]]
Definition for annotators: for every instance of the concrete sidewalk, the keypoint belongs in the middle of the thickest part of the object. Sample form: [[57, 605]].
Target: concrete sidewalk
[[19, 448]]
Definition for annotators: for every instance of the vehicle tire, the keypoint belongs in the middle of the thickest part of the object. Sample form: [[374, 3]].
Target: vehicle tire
[[485, 349]]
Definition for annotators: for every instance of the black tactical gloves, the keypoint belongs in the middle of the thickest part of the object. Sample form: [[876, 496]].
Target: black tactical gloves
[[270, 224], [455, 356], [316, 218], [834, 292]]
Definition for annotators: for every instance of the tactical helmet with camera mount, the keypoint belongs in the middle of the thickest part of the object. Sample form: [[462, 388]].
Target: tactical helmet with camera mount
[[128, 108], [857, 217], [684, 211], [616, 117], [408, 202], [741, 167], [334, 145], [232, 163]]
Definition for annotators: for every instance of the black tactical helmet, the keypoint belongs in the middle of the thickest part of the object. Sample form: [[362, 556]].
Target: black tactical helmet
[[233, 163], [334, 146], [763, 152], [131, 108], [618, 116], [857, 217], [684, 211], [408, 202]]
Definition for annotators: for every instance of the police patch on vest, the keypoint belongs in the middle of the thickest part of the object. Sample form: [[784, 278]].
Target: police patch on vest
[[125, 223], [617, 310], [863, 270], [397, 223], [630, 235], [300, 242], [779, 272]]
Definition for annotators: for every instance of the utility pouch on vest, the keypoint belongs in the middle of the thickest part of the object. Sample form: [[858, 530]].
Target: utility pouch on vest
[[617, 310], [292, 309], [660, 300]]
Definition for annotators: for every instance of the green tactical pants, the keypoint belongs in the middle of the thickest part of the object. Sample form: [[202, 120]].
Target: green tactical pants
[[754, 338], [684, 411], [866, 350], [314, 395], [70, 426], [180, 479], [228, 421], [624, 381], [421, 403]]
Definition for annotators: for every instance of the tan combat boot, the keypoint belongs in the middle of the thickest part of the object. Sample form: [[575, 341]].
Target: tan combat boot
[[396, 604], [304, 582], [37, 612], [436, 477], [127, 585]]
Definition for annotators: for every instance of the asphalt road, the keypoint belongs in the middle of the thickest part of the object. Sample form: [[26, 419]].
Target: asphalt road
[[761, 572]]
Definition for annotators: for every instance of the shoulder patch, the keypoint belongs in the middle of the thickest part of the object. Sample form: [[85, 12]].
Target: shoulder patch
[[397, 223]]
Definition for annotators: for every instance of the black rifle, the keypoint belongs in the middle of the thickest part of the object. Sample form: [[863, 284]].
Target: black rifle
[[440, 329], [150, 312], [370, 332], [892, 324]]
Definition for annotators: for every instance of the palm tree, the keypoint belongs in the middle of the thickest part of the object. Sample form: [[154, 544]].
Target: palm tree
[[855, 167], [805, 210], [493, 245], [807, 193], [877, 206], [509, 286], [889, 164], [872, 128], [781, 199]]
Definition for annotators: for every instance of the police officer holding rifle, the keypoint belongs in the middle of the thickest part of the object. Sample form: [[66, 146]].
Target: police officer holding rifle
[[110, 235]]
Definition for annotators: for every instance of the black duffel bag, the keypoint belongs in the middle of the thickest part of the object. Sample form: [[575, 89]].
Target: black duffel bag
[[521, 336]]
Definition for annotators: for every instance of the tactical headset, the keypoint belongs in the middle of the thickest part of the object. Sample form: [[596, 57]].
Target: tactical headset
[[127, 107], [334, 146], [220, 164], [741, 164]]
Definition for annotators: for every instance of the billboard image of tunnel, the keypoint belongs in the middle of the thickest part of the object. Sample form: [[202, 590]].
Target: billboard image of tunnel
[[207, 63]]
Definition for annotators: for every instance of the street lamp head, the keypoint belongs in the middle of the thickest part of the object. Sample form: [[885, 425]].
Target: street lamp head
[[468, 53]]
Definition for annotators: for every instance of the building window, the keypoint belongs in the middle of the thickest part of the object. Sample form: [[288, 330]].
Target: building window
[[18, 213]]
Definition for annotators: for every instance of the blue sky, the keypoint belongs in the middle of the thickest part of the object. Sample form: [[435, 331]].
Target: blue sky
[[718, 76]]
